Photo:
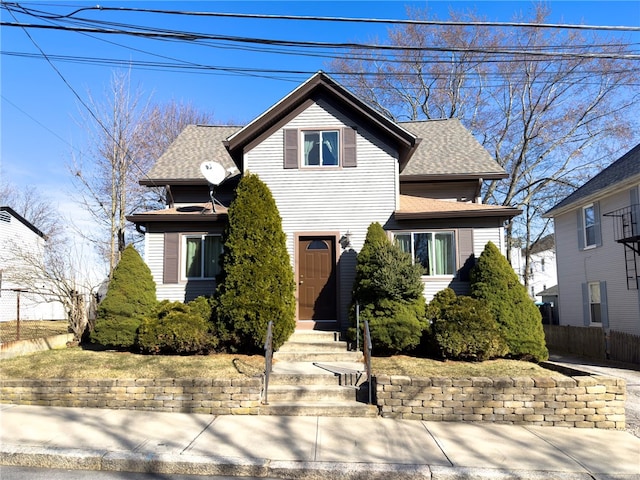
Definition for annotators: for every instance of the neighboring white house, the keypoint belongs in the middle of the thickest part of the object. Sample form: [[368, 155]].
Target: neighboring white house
[[334, 165], [18, 233], [597, 231], [542, 272]]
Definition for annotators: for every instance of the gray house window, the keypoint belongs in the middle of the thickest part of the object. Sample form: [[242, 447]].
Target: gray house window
[[594, 301], [589, 232]]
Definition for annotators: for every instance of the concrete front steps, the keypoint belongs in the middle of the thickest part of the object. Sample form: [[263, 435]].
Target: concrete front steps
[[314, 375]]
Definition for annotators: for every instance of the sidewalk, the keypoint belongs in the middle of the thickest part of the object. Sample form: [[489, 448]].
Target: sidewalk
[[308, 447]]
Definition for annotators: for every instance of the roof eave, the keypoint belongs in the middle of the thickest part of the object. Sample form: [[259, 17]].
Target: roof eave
[[453, 176], [143, 218], [505, 213]]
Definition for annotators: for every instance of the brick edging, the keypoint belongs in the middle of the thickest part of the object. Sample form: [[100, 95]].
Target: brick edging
[[579, 401]]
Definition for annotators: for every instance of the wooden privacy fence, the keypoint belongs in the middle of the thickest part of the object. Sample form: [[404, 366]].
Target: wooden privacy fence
[[591, 342]]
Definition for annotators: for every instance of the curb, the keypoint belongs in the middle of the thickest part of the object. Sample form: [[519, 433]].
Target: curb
[[179, 464]]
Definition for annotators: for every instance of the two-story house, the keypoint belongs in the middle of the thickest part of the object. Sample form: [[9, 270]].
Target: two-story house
[[334, 165], [597, 230]]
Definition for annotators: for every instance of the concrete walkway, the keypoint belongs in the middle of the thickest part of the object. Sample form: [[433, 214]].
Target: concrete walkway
[[308, 447]]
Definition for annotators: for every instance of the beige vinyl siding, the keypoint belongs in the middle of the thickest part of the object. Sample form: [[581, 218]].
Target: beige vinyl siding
[[329, 199], [604, 263]]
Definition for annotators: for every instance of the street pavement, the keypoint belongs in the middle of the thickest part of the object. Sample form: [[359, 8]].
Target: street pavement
[[308, 447]]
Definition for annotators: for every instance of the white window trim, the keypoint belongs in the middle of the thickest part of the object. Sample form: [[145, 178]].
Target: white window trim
[[303, 165], [183, 255], [455, 260], [591, 322], [588, 246]]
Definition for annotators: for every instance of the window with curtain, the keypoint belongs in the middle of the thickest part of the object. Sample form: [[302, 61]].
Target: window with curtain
[[435, 251], [321, 148], [201, 255]]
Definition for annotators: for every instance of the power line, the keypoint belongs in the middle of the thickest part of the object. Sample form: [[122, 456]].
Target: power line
[[194, 37], [563, 26]]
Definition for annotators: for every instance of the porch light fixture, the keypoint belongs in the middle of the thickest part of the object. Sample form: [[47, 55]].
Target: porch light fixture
[[345, 240]]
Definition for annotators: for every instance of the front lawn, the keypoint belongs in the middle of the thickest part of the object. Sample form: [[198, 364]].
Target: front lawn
[[78, 363]]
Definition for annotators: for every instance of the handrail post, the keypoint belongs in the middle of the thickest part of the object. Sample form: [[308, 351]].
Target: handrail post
[[268, 357], [367, 347], [357, 326]]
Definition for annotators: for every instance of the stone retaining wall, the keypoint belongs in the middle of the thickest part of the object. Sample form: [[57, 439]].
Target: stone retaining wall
[[580, 401], [198, 395]]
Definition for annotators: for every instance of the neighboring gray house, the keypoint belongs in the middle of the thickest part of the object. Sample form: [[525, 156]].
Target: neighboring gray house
[[334, 166], [597, 234], [18, 234]]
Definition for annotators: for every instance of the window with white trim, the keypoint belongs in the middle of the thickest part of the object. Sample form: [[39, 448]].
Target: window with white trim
[[201, 256], [321, 148], [435, 251], [595, 303], [589, 222]]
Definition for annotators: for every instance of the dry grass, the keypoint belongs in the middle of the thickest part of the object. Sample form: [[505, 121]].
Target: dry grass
[[30, 329], [425, 367], [86, 364]]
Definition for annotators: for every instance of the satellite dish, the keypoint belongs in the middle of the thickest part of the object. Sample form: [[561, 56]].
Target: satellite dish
[[213, 172]]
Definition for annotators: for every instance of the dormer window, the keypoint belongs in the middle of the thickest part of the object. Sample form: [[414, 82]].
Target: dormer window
[[321, 148]]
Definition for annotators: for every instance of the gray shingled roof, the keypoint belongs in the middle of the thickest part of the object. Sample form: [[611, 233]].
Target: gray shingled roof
[[194, 145], [448, 148], [622, 169]]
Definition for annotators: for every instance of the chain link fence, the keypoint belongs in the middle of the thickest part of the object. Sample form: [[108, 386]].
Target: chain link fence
[[27, 315]]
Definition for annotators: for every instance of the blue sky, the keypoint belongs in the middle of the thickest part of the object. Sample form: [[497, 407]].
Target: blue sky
[[39, 113]]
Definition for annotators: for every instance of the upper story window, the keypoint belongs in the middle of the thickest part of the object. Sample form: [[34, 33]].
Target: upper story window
[[589, 216], [201, 256], [435, 251], [321, 148]]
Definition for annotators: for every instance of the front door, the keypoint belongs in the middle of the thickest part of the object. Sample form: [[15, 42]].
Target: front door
[[317, 282]]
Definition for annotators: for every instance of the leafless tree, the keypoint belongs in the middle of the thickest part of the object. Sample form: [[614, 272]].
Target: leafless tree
[[54, 271], [550, 105], [127, 135], [33, 207]]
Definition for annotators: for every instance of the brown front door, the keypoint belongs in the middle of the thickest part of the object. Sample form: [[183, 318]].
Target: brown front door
[[317, 279]]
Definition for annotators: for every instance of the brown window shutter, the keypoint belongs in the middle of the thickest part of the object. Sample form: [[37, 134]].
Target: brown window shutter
[[290, 148], [171, 258], [466, 258], [349, 157]]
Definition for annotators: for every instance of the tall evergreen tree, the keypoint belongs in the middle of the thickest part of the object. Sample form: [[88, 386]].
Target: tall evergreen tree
[[131, 295], [389, 291], [519, 320], [257, 282]]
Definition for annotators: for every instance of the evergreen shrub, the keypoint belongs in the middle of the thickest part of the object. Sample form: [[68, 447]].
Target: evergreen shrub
[[388, 288], [256, 284], [178, 328], [130, 296], [464, 328], [494, 281]]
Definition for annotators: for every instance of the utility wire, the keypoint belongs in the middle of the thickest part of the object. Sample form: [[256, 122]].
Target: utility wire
[[194, 37], [563, 26]]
